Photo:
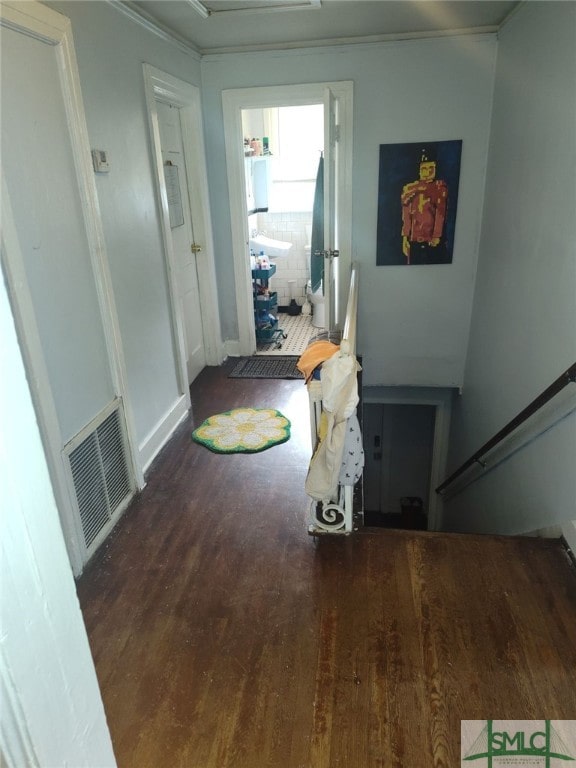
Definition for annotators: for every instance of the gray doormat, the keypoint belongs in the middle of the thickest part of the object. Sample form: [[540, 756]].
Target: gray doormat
[[266, 367]]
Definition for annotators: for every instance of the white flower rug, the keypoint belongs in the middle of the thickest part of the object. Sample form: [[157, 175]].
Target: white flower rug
[[243, 430]]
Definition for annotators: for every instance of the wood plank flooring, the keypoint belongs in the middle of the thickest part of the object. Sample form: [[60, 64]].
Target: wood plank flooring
[[225, 637]]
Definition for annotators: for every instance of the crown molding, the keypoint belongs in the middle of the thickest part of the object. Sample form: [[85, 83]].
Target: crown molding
[[199, 7], [512, 15], [148, 22], [347, 41], [145, 20], [303, 5]]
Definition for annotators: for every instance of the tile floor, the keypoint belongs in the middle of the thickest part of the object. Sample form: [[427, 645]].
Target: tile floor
[[298, 330]]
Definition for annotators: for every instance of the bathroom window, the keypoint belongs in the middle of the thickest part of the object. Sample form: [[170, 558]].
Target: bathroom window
[[296, 141]]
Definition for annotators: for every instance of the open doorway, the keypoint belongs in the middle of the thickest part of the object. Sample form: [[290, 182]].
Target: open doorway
[[406, 434], [398, 446], [283, 147], [334, 102]]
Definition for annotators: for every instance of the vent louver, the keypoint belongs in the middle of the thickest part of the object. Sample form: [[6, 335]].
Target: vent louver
[[100, 475]]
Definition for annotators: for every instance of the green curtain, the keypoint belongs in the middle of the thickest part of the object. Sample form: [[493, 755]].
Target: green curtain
[[317, 238]]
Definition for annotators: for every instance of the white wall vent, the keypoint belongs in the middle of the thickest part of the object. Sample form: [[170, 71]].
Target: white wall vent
[[101, 475]]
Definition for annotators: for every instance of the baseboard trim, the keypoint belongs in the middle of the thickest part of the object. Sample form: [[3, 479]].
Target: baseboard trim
[[218, 357], [569, 538], [232, 348], [162, 432], [569, 551]]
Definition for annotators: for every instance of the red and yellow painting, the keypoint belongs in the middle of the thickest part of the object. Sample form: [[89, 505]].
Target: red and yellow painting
[[417, 201]]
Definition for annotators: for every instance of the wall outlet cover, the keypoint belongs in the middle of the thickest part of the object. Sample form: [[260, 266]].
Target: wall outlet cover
[[100, 161]]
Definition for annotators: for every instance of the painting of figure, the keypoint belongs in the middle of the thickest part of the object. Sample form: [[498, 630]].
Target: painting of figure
[[417, 201]]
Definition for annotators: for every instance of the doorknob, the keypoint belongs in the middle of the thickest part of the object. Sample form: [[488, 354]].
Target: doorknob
[[195, 248]]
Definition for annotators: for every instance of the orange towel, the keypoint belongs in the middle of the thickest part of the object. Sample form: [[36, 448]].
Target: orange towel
[[314, 355]]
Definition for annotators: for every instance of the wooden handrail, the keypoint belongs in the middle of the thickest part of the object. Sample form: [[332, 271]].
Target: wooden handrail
[[562, 381]]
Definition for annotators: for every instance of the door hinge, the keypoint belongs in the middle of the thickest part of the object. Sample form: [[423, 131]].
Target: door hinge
[[195, 248], [336, 133]]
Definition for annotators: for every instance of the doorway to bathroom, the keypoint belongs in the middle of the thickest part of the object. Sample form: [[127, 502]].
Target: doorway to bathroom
[[262, 113], [283, 148]]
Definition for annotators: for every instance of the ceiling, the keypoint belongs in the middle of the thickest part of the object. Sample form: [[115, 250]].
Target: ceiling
[[256, 24]]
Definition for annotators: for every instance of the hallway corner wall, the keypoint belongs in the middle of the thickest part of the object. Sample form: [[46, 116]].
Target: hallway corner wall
[[522, 335]]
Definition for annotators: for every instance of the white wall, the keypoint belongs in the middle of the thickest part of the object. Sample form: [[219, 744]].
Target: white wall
[[52, 713], [569, 533], [39, 169], [524, 317], [413, 322], [111, 50], [295, 267]]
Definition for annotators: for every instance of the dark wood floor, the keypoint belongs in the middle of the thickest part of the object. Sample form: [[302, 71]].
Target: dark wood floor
[[225, 637]]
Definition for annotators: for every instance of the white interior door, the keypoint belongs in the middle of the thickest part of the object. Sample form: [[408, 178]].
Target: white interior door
[[331, 206], [182, 234]]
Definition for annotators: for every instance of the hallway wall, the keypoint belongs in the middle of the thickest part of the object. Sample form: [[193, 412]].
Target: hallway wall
[[522, 335], [111, 50], [413, 321], [52, 712]]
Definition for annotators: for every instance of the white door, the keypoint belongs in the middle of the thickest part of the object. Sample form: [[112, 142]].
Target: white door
[[182, 233], [331, 233]]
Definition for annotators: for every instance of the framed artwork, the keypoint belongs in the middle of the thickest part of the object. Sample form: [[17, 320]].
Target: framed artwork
[[417, 202]]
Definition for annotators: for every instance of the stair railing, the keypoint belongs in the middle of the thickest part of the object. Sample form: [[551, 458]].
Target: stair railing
[[335, 516], [568, 377]]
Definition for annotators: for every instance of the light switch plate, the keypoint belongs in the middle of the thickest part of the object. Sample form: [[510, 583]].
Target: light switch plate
[[100, 161]]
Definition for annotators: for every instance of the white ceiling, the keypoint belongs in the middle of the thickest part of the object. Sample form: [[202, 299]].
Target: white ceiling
[[247, 25]]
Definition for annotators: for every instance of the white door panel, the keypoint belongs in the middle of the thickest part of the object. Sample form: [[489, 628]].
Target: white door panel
[[331, 234], [182, 234], [39, 171]]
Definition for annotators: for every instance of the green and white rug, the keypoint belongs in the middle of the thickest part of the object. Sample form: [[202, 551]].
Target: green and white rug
[[243, 430]]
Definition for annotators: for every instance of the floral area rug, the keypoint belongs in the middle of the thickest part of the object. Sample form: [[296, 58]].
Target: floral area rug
[[243, 430]]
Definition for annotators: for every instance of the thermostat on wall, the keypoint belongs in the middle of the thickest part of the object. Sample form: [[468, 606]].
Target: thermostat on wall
[[100, 161]]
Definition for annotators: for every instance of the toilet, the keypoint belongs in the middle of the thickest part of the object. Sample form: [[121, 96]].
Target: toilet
[[316, 299]]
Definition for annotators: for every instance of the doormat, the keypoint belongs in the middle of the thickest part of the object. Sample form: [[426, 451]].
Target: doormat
[[266, 367], [243, 430]]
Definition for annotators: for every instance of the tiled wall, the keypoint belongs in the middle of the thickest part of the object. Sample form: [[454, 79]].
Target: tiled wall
[[289, 227]]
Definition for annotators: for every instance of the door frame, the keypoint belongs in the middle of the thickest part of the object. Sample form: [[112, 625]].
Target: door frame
[[161, 86], [441, 399], [234, 101], [41, 23]]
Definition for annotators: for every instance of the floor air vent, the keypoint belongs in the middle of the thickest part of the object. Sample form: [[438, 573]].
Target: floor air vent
[[100, 475]]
